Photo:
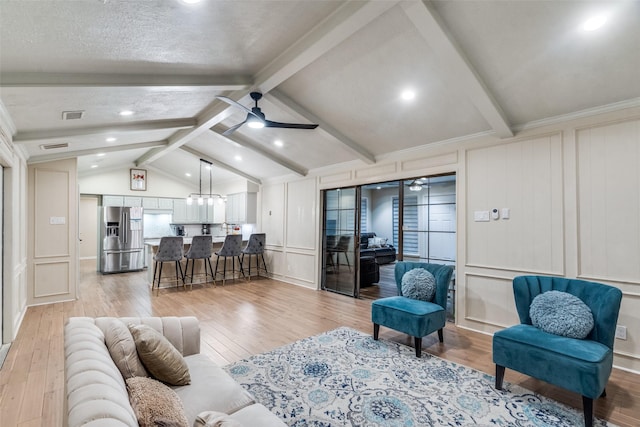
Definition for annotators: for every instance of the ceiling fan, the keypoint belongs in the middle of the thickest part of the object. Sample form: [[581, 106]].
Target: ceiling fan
[[256, 118]]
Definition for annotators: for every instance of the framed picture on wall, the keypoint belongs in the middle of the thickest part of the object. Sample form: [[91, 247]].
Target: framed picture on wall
[[138, 178]]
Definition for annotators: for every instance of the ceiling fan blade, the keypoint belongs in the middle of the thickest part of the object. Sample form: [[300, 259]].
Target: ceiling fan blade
[[233, 129], [270, 124], [234, 103]]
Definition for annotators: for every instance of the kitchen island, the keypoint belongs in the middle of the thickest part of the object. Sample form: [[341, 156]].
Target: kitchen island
[[169, 271]]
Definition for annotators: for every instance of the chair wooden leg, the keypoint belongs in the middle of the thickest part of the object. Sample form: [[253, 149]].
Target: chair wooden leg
[[604, 393], [499, 376], [160, 274], [440, 335], [418, 343], [587, 408], [193, 263], [376, 331]]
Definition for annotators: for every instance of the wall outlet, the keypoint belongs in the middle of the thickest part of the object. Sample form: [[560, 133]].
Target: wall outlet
[[621, 332]]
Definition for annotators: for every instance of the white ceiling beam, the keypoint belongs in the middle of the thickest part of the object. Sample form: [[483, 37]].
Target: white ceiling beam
[[337, 27], [39, 135], [285, 103], [246, 143], [92, 151], [221, 165], [53, 80], [458, 68]]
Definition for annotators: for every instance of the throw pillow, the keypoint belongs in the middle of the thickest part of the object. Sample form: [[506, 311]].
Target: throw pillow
[[163, 361], [373, 243], [561, 313], [215, 419], [122, 348], [419, 283], [155, 404]]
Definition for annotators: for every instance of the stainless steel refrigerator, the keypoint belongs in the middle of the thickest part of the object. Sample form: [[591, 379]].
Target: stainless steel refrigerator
[[121, 241]]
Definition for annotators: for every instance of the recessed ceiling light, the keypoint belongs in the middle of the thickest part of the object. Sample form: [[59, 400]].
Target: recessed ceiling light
[[408, 94], [378, 188], [238, 158], [126, 113], [594, 23], [94, 166], [101, 154], [278, 143], [110, 139], [191, 1], [187, 174]]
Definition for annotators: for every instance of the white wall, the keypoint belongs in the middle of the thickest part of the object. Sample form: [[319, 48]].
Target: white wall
[[14, 238], [572, 189], [117, 182]]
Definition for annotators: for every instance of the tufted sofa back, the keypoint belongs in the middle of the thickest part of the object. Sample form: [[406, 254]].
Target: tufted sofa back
[[95, 390]]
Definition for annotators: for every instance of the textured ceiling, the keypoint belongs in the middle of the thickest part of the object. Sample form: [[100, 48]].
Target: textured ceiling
[[475, 66]]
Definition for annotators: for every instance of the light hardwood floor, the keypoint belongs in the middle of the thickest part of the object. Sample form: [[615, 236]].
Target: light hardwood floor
[[237, 320]]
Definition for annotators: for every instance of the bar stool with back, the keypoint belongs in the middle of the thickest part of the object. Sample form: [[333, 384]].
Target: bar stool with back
[[232, 247], [169, 250], [200, 249], [255, 246]]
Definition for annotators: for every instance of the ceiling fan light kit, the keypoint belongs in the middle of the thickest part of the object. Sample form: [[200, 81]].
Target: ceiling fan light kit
[[256, 118]]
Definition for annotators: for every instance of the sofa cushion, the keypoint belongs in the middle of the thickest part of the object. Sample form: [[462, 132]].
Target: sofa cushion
[[122, 347], [561, 313], [215, 419], [419, 284], [159, 356], [247, 416], [155, 404], [211, 389]]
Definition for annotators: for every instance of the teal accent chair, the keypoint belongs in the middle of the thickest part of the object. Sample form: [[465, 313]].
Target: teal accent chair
[[414, 317], [581, 366]]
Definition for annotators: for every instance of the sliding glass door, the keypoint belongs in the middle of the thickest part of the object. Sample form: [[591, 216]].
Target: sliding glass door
[[340, 244]]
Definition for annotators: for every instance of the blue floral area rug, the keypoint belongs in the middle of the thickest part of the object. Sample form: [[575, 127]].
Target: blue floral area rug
[[345, 378]]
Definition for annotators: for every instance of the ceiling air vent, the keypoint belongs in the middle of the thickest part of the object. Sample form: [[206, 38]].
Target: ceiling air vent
[[54, 146], [72, 115]]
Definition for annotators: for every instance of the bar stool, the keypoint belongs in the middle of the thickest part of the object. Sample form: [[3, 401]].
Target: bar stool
[[232, 247], [170, 249], [255, 246], [200, 249]]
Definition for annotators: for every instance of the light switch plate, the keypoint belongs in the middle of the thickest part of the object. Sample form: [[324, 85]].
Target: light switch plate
[[481, 216]]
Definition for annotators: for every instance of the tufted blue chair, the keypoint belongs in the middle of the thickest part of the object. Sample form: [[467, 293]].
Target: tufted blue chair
[[255, 246], [200, 249], [232, 247], [169, 250], [414, 317], [582, 366]]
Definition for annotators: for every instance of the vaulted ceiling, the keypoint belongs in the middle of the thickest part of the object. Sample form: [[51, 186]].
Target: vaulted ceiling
[[475, 67]]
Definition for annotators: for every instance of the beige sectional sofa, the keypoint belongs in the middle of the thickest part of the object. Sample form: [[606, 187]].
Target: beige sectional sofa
[[96, 390]]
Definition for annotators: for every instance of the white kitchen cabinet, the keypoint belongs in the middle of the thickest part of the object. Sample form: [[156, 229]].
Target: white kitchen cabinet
[[241, 208], [132, 201], [179, 211], [112, 200], [150, 202], [164, 203], [184, 213]]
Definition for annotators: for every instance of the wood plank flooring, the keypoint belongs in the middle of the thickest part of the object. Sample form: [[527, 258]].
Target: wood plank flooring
[[239, 319]]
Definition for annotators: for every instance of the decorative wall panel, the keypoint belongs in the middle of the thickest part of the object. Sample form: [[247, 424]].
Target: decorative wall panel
[[302, 213], [489, 300], [51, 213], [609, 201], [51, 279], [301, 267], [526, 178], [273, 213]]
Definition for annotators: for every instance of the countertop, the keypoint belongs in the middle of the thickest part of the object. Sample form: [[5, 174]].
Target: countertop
[[185, 240]]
